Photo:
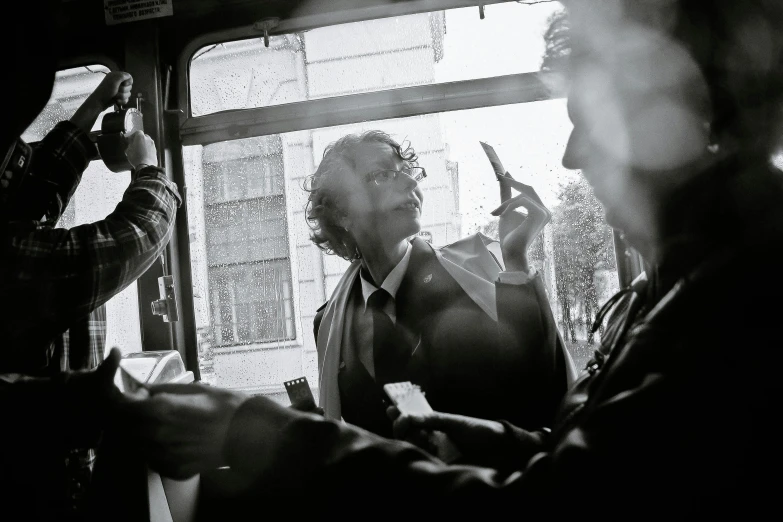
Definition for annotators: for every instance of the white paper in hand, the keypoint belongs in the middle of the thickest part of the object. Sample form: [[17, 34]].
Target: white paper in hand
[[500, 171], [409, 399]]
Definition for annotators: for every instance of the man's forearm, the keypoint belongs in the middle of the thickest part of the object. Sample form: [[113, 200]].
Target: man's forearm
[[129, 240], [87, 114], [76, 270], [518, 447], [286, 453]]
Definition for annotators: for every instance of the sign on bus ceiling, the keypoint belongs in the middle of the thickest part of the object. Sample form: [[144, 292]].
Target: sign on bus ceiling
[[124, 11]]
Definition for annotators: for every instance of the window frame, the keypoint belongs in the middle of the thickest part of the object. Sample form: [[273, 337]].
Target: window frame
[[387, 104], [401, 102], [85, 60], [303, 23]]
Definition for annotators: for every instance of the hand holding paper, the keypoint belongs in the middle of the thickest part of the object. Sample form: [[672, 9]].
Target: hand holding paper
[[507, 182], [500, 172], [517, 232], [409, 400]]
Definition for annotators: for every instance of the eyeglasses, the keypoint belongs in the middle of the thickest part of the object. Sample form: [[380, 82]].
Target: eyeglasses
[[383, 177]]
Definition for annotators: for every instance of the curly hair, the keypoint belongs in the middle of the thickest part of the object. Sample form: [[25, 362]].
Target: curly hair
[[323, 210]]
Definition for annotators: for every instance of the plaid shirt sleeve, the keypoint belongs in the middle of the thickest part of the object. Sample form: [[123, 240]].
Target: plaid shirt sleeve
[[65, 274], [58, 163], [83, 345]]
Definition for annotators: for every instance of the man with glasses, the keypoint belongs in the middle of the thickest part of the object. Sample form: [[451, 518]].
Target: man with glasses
[[479, 340]]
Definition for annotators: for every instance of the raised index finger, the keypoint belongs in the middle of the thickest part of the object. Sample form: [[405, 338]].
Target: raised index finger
[[534, 210], [521, 187]]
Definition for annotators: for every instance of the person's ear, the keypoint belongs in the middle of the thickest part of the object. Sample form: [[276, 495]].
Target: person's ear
[[344, 222]]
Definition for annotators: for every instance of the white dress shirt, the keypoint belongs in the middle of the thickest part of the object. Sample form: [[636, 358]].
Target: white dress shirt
[[393, 281], [391, 284]]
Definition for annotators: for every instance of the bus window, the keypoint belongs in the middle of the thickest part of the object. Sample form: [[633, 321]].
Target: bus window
[[368, 56], [258, 279], [98, 194]]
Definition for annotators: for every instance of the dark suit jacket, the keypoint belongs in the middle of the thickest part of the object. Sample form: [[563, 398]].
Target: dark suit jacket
[[679, 422], [466, 362]]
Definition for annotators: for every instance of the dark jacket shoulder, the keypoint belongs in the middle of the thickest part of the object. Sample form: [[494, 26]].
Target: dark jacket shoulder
[[319, 315]]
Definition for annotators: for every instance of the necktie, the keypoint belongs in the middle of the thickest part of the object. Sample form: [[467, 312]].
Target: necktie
[[389, 349]]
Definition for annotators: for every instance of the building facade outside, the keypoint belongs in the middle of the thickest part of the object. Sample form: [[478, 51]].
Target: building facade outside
[[258, 279]]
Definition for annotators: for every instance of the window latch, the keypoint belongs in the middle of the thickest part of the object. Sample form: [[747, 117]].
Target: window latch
[[166, 306], [265, 24]]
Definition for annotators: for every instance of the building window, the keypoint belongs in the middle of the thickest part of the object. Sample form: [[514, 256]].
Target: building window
[[367, 56], [251, 302], [244, 178], [246, 232]]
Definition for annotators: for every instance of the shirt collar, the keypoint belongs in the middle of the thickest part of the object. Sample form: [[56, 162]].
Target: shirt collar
[[392, 282]]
